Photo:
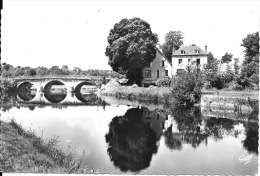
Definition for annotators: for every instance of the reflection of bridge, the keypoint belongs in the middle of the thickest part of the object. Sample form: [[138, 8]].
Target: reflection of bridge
[[43, 85]]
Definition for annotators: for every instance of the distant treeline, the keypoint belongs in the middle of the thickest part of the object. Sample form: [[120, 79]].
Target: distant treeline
[[8, 70]]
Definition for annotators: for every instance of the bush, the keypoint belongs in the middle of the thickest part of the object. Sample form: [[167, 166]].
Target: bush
[[235, 86], [163, 82], [187, 88], [217, 82]]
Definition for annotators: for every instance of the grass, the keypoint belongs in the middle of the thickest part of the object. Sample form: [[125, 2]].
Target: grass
[[157, 95], [151, 94], [23, 151]]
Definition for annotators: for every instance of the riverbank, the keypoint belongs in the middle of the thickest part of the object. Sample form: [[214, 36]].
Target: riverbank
[[163, 95], [152, 94], [23, 151]]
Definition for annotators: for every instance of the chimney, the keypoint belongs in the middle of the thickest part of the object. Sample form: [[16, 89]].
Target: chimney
[[206, 49]]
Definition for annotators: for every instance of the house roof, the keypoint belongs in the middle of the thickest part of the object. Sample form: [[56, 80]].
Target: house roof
[[189, 50], [160, 52]]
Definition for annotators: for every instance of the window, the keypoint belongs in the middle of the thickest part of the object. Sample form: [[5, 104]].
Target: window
[[182, 52], [162, 63], [158, 73], [147, 74], [197, 51], [198, 62], [166, 72], [180, 61], [189, 60]]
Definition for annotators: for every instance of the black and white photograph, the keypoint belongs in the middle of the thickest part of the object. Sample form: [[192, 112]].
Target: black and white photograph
[[136, 87]]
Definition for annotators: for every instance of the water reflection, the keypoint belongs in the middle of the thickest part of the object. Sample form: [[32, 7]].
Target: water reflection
[[131, 141], [189, 126], [251, 141], [54, 91], [132, 138], [191, 141], [26, 91]]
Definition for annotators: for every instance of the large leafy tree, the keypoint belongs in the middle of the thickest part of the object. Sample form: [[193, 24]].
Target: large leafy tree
[[173, 41], [131, 46], [250, 66]]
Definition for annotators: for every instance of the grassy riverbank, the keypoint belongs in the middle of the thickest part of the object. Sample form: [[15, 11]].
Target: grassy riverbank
[[23, 151], [151, 94], [163, 95]]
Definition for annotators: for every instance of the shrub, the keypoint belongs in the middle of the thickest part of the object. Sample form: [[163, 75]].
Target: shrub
[[187, 88], [235, 86], [163, 82], [217, 81]]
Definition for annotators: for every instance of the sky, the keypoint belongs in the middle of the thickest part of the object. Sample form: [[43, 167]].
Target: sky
[[74, 32]]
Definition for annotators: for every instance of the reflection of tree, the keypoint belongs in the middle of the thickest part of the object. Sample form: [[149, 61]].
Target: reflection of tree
[[171, 141], [31, 107], [251, 141], [254, 104], [131, 142], [189, 126], [218, 127], [24, 91], [7, 100]]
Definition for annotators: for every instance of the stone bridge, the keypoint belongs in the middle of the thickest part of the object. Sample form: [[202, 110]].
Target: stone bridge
[[42, 85]]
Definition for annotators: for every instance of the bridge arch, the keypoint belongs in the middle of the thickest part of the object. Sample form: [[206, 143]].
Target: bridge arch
[[85, 98], [25, 92], [55, 96]]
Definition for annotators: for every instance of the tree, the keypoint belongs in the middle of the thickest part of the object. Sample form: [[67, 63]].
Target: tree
[[250, 67], [55, 70], [210, 70], [32, 72], [41, 71], [173, 41], [187, 88], [236, 66], [65, 70], [131, 47], [226, 58], [251, 45]]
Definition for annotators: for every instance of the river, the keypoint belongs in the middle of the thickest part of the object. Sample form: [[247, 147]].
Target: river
[[121, 138]]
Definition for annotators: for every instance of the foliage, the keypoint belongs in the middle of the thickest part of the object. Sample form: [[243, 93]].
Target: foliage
[[235, 86], [250, 68], [131, 46], [251, 45], [187, 88], [163, 82], [11, 71], [173, 41], [226, 58], [217, 81], [210, 70], [236, 66]]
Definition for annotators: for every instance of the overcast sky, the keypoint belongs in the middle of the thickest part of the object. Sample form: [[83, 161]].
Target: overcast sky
[[74, 32]]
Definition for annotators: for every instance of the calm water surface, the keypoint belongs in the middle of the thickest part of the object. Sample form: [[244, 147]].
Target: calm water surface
[[126, 139]]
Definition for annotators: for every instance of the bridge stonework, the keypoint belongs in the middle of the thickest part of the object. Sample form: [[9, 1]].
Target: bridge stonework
[[70, 83]]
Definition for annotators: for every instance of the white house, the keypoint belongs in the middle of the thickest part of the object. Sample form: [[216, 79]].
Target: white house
[[159, 68], [186, 55]]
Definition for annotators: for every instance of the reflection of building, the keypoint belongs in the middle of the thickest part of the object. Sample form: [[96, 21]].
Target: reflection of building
[[155, 119]]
